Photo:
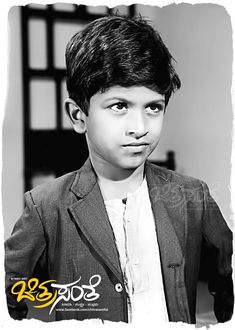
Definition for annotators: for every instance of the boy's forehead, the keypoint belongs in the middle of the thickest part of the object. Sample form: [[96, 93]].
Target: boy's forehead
[[137, 92]]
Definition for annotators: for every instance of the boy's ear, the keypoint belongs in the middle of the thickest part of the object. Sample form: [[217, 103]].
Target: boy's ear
[[76, 116]]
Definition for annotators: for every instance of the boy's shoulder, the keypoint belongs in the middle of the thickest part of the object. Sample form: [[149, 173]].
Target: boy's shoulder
[[173, 177], [64, 189], [54, 190], [58, 190]]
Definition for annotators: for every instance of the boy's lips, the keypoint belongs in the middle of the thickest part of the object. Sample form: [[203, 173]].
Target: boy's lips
[[135, 144], [136, 147]]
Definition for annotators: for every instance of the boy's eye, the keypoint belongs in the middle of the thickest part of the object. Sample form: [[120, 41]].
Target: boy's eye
[[155, 107], [119, 106]]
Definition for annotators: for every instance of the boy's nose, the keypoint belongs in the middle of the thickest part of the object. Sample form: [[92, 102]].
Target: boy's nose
[[137, 125]]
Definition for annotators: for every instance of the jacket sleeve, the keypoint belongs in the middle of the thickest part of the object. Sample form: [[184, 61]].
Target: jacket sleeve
[[218, 238], [22, 252]]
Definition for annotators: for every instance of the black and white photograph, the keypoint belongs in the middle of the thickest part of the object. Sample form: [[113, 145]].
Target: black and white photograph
[[117, 143]]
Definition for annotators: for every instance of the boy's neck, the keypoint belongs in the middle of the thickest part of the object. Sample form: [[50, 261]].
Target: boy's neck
[[116, 183]]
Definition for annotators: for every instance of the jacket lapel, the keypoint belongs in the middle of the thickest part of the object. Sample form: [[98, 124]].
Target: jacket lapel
[[90, 215], [166, 214], [170, 247]]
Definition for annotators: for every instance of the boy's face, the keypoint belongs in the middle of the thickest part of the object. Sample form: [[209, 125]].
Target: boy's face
[[123, 126]]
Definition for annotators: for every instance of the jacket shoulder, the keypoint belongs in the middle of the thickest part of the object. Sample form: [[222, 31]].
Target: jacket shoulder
[[54, 190], [174, 177]]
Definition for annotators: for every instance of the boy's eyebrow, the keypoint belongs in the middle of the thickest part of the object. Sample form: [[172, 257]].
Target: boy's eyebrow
[[122, 99]]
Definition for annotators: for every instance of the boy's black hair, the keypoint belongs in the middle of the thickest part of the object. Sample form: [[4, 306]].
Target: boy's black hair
[[118, 51]]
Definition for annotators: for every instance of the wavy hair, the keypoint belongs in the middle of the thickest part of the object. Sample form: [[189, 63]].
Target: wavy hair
[[118, 51]]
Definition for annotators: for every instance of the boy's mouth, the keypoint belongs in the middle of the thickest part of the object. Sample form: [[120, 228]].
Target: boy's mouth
[[135, 144], [136, 147]]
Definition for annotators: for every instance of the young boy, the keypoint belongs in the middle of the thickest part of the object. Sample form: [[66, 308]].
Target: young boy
[[119, 239]]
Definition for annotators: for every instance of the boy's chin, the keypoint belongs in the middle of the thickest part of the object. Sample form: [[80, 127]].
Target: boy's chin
[[132, 164]]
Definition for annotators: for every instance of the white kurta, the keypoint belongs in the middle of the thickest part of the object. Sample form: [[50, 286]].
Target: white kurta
[[136, 240]]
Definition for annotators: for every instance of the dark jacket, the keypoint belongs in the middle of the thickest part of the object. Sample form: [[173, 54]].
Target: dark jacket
[[65, 234]]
